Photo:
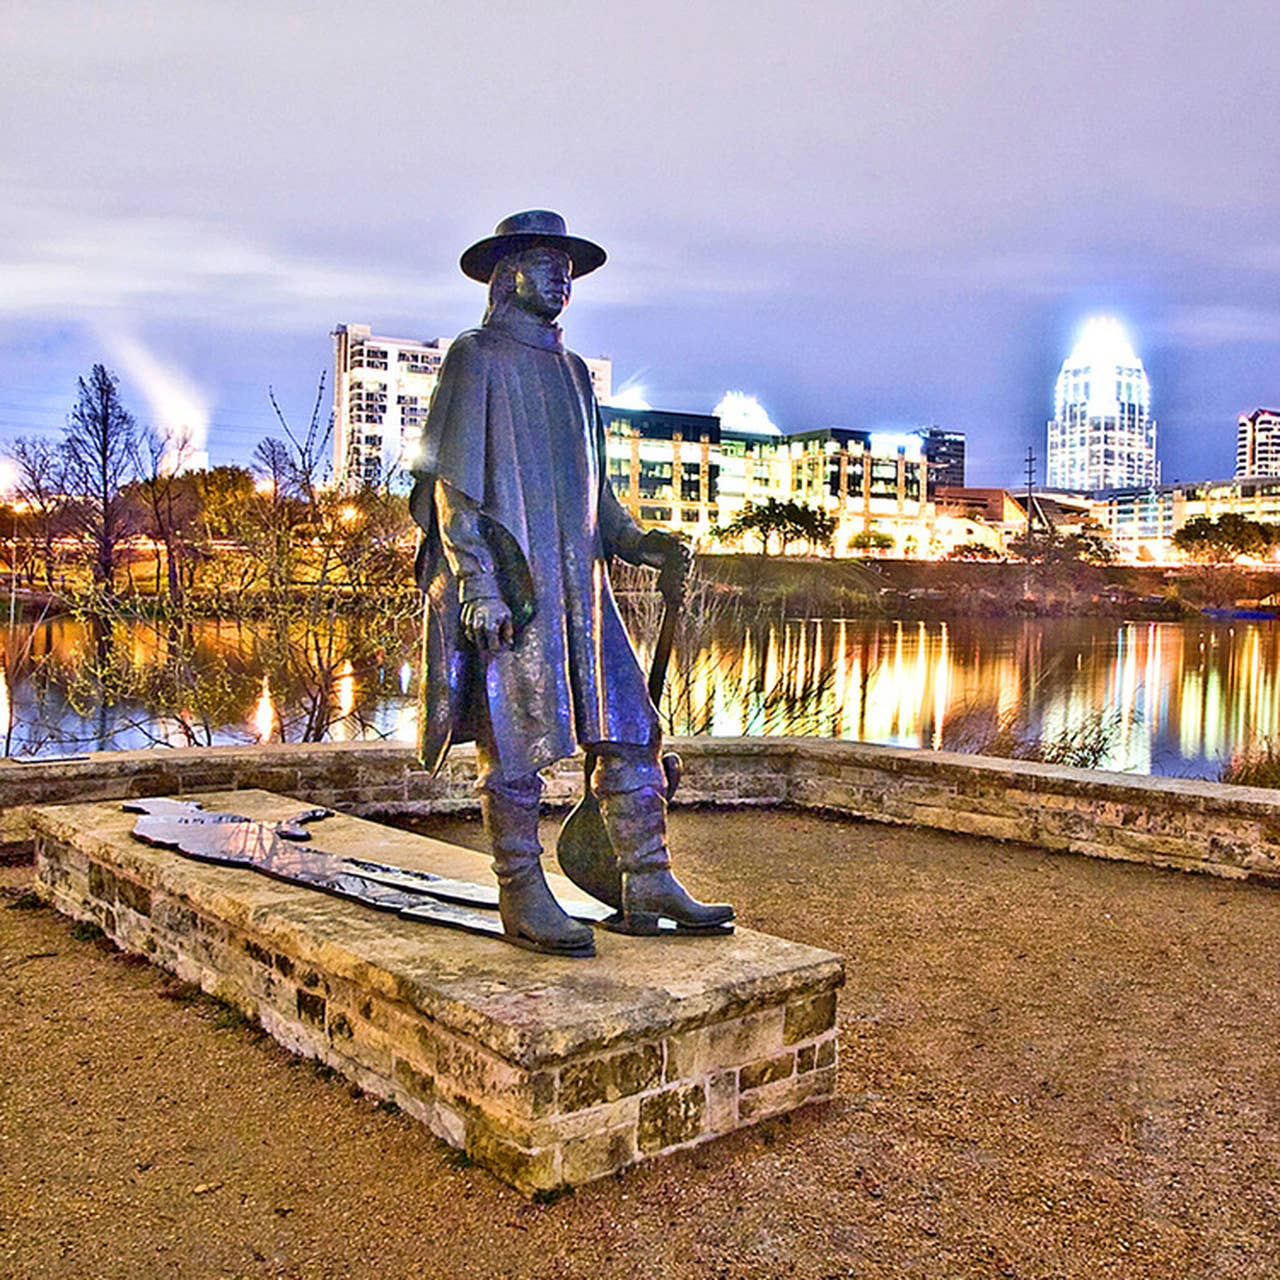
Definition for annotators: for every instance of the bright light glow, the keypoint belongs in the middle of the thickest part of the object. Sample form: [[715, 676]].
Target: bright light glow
[[889, 443], [1102, 434], [264, 713], [345, 688], [406, 677], [179, 409], [742, 414], [630, 396], [8, 477], [1102, 372], [265, 486]]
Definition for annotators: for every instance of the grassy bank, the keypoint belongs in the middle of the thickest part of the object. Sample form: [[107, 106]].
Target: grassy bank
[[906, 589], [919, 589]]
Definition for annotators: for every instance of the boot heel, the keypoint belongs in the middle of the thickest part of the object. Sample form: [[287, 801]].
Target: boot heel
[[638, 924]]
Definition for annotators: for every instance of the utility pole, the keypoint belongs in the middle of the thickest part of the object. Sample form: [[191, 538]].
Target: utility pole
[[1030, 546], [1031, 481], [13, 577]]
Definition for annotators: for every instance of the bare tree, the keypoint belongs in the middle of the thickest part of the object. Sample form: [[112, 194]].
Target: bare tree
[[167, 501], [273, 463], [40, 486], [309, 449], [100, 447]]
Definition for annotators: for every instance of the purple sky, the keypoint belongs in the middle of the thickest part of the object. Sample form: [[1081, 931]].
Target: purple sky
[[873, 214]]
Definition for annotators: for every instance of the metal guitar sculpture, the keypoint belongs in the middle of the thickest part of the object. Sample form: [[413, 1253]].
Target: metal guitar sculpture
[[279, 850]]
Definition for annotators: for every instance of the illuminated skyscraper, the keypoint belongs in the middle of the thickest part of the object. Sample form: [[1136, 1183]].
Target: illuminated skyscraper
[[1102, 435]]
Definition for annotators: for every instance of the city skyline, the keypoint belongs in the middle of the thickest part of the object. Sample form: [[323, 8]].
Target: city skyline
[[876, 219]]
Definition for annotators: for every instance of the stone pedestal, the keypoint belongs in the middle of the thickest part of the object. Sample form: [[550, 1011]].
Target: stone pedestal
[[550, 1072]]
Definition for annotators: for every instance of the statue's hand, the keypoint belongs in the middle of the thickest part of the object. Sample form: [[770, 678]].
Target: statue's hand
[[658, 546], [487, 624]]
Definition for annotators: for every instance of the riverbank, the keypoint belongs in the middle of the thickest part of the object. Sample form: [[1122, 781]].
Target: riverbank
[[1051, 1067], [931, 590], [911, 590]]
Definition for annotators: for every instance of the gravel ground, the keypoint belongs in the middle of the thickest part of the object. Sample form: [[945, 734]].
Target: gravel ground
[[1050, 1068]]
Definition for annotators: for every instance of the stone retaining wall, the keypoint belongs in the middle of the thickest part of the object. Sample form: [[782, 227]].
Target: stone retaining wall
[[1166, 822]]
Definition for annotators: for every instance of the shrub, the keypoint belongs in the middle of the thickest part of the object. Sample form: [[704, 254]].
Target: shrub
[[1257, 764]]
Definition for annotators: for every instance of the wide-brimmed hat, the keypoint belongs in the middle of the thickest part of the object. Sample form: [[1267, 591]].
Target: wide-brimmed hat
[[532, 229]]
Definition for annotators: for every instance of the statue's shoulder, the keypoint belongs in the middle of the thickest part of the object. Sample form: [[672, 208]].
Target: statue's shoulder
[[479, 346], [579, 366], [469, 356], [467, 343]]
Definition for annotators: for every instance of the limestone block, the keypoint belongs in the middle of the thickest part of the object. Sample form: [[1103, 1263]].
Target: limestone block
[[674, 1117], [596, 1154], [757, 1074], [809, 1017], [594, 1081], [729, 1043], [786, 1094]]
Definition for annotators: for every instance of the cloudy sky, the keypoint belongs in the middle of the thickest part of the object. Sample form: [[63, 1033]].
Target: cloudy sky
[[879, 213]]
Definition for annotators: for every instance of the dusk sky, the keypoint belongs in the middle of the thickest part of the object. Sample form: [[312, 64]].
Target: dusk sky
[[870, 215]]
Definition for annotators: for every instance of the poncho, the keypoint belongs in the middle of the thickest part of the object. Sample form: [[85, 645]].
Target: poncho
[[514, 427]]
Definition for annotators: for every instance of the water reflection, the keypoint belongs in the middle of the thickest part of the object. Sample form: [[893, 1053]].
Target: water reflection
[[6, 706], [1179, 696], [264, 718]]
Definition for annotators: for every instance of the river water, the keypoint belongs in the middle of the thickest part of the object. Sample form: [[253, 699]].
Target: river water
[[1153, 697]]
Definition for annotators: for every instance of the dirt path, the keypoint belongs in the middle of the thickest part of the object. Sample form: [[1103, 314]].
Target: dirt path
[[1051, 1068]]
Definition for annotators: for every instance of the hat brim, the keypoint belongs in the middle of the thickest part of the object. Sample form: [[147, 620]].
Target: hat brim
[[479, 261]]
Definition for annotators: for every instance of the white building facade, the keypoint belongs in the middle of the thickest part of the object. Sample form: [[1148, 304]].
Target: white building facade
[[382, 390], [1258, 443], [1102, 435]]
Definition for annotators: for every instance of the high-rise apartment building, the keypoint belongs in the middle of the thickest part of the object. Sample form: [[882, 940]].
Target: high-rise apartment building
[[1102, 435], [381, 392], [1258, 443]]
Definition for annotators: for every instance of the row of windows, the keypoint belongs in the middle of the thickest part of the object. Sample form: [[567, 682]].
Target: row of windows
[[662, 515]]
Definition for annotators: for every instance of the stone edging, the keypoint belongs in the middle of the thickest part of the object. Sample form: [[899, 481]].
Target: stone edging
[[1165, 822]]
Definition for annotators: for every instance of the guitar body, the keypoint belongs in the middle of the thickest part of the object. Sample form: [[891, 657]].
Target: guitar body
[[586, 855], [583, 847]]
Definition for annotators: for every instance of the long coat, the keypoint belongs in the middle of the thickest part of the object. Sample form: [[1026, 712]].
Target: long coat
[[514, 428]]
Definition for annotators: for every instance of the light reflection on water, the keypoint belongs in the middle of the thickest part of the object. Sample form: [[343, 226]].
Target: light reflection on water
[[1180, 696], [264, 717]]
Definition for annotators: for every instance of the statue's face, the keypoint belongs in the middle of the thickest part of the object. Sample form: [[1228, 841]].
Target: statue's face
[[544, 280]]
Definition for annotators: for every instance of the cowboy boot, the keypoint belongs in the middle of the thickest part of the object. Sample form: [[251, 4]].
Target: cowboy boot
[[632, 801], [531, 917]]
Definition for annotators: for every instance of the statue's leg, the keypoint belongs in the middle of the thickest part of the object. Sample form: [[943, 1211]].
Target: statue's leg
[[630, 786], [531, 917]]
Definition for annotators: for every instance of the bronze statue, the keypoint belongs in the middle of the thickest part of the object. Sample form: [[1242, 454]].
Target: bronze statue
[[524, 650]]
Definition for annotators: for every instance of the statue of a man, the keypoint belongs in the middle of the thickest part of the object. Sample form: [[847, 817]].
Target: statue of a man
[[524, 650]]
